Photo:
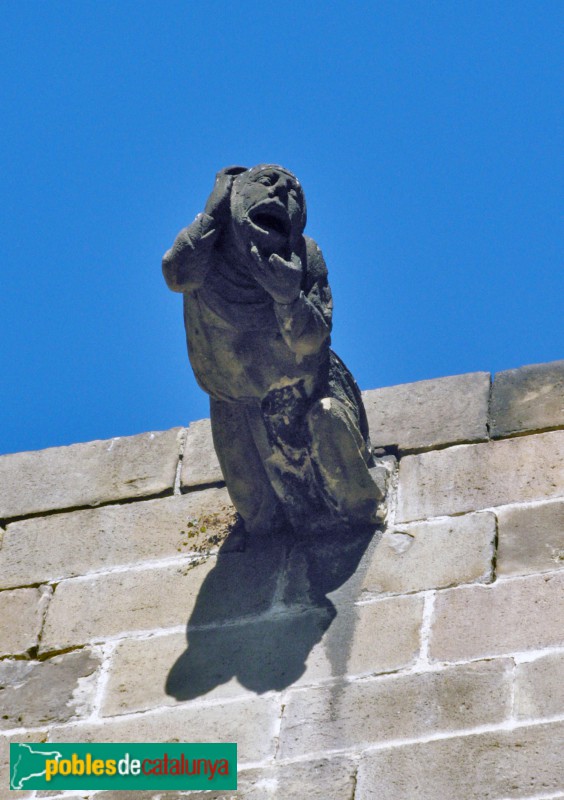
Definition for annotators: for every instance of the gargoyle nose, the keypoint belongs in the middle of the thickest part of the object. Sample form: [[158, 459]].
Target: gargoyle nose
[[280, 187]]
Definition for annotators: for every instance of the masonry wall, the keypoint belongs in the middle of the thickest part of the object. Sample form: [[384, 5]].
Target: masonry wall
[[425, 662]]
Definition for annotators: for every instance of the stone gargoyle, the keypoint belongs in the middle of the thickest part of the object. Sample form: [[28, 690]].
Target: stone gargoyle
[[288, 422]]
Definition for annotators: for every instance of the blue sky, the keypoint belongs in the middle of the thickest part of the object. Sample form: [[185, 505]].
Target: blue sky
[[426, 136]]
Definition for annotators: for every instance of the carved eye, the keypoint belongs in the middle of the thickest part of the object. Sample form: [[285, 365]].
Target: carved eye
[[266, 180]]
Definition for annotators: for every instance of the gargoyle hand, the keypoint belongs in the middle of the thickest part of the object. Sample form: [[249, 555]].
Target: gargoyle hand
[[217, 205], [280, 278]]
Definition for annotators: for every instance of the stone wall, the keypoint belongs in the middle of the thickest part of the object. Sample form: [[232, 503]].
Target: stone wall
[[423, 663]]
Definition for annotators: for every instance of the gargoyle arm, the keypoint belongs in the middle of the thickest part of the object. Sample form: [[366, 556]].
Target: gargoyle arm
[[186, 264], [305, 323]]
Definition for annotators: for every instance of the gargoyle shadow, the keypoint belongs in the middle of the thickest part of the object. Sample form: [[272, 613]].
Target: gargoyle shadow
[[260, 612]]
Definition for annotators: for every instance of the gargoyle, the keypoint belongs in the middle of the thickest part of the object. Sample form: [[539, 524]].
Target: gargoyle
[[288, 422]]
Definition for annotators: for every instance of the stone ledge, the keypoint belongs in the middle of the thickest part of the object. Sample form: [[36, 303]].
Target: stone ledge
[[430, 413], [200, 465], [89, 474], [527, 399]]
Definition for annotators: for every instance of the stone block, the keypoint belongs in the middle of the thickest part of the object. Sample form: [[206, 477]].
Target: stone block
[[290, 649], [139, 671], [38, 693], [89, 474], [45, 548], [531, 539], [200, 465], [435, 554], [430, 413], [252, 723], [523, 763], [325, 779], [367, 712], [21, 613], [367, 639], [539, 687], [481, 621], [93, 609], [322, 779], [530, 398], [208, 591], [477, 476], [5, 741]]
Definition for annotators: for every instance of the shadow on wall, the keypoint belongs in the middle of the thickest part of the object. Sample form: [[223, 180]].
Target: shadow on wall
[[260, 612]]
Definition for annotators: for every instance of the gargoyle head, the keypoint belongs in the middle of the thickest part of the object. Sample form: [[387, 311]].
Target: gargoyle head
[[267, 209]]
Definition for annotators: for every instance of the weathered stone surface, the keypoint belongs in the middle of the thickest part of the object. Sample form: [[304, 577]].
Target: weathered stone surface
[[45, 548], [251, 723], [539, 687], [427, 555], [523, 763], [531, 539], [36, 736], [530, 398], [91, 609], [426, 414], [325, 779], [128, 688], [376, 637], [199, 465], [476, 476], [372, 638], [517, 615], [21, 613], [88, 474], [87, 609], [37, 693], [363, 713]]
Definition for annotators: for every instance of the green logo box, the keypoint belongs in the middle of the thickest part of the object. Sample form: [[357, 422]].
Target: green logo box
[[123, 766]]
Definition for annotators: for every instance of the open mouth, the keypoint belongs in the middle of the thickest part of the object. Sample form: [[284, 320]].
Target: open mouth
[[271, 218]]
